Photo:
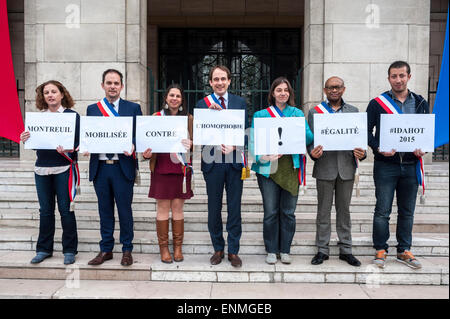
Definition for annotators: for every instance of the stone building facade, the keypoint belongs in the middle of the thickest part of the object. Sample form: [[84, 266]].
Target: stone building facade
[[75, 40]]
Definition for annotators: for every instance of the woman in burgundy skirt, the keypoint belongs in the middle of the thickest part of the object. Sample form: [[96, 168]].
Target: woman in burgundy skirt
[[171, 180]]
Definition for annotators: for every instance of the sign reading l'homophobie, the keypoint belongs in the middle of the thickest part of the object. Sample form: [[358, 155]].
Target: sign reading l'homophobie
[[106, 134], [48, 130], [213, 127], [406, 132], [340, 131], [279, 136], [163, 134]]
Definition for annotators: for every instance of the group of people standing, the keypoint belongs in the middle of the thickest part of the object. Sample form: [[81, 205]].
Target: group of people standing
[[279, 177]]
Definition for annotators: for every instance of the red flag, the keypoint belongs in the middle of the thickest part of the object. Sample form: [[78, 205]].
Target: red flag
[[11, 123]]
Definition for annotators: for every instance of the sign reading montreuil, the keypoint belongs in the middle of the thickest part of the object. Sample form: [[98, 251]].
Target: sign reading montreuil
[[163, 134], [49, 130], [106, 134], [213, 127], [340, 131], [278, 136], [407, 132]]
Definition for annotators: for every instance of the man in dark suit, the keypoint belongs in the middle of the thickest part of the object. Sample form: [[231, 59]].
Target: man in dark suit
[[335, 173], [222, 167], [113, 176]]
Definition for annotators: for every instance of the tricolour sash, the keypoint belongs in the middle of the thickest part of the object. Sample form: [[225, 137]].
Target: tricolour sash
[[107, 110], [274, 111], [323, 108], [74, 179], [389, 105], [210, 99]]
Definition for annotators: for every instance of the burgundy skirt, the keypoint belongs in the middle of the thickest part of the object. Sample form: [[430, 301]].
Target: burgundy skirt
[[170, 186]]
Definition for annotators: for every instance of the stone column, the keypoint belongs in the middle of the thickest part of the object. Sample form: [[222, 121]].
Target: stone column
[[74, 41], [358, 40]]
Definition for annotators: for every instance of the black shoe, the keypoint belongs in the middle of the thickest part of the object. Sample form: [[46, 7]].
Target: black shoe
[[319, 258], [350, 259]]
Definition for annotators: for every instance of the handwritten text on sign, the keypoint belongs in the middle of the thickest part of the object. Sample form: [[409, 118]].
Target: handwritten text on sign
[[49, 130], [212, 127], [106, 134], [278, 136], [340, 131], [407, 132], [163, 134]]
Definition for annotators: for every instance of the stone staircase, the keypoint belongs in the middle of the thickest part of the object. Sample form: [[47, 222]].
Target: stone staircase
[[19, 227]]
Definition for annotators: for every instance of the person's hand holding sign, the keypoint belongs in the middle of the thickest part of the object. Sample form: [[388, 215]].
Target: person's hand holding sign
[[147, 154], [317, 151]]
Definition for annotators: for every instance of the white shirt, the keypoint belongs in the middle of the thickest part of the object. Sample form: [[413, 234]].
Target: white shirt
[[225, 98], [102, 156]]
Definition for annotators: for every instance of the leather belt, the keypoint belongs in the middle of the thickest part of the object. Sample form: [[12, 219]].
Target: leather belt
[[110, 161]]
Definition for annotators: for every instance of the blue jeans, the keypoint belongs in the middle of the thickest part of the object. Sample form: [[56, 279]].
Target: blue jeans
[[279, 218], [48, 187], [393, 178]]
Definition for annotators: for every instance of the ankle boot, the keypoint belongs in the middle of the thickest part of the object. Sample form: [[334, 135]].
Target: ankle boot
[[178, 234], [162, 231]]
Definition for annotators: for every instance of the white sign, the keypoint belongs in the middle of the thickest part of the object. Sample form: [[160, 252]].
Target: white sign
[[340, 131], [48, 130], [163, 134], [279, 136], [100, 134], [213, 127], [407, 132]]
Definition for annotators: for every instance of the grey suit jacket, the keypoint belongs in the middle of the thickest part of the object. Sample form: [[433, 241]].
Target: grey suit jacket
[[332, 163]]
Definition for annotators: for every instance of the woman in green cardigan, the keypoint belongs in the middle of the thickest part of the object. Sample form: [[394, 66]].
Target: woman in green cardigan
[[278, 177]]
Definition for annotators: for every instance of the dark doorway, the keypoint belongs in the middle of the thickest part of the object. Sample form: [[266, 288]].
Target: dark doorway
[[255, 57]]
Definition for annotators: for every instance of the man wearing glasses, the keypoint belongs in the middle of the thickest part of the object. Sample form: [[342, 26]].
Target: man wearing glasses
[[334, 172]]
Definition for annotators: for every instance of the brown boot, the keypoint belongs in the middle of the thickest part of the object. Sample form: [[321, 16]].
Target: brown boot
[[162, 231], [178, 234]]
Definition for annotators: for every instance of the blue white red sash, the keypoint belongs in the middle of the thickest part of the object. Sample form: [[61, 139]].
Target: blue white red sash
[[210, 99], [389, 105], [323, 108], [106, 108], [275, 112], [74, 177]]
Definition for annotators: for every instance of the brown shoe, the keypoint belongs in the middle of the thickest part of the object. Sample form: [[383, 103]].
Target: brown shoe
[[101, 258], [217, 257], [178, 234], [127, 259], [162, 231], [235, 260]]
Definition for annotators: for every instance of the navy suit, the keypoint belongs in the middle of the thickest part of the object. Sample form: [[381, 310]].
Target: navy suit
[[222, 171], [114, 182]]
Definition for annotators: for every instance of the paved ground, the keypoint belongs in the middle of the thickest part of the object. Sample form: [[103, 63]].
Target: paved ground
[[91, 289]]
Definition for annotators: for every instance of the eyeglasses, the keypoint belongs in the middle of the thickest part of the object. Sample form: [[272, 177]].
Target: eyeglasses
[[332, 88]]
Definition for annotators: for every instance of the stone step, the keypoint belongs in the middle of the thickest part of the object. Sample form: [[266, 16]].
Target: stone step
[[196, 268], [424, 244], [251, 222], [306, 203]]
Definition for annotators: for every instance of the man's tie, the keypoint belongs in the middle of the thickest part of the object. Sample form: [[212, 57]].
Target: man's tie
[[222, 102], [111, 155]]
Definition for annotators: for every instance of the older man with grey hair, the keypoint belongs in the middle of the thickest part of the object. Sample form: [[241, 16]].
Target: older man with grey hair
[[334, 172]]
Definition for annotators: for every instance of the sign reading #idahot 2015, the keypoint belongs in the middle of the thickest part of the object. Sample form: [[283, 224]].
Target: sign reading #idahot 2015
[[49, 130], [163, 134], [214, 127], [406, 132], [279, 136], [340, 131], [106, 134]]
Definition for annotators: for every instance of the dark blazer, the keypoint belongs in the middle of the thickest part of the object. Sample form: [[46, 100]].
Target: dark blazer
[[128, 164], [234, 103], [333, 163]]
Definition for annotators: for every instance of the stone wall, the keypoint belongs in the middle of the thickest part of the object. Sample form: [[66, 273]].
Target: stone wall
[[74, 41]]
